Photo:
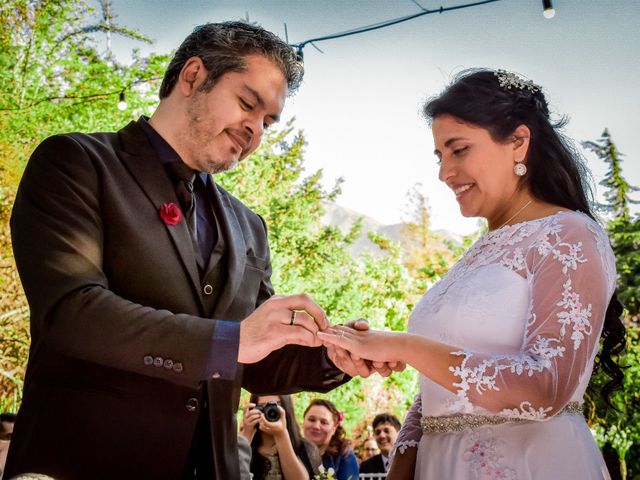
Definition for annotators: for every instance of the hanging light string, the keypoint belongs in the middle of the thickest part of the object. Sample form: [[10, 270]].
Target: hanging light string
[[387, 23]]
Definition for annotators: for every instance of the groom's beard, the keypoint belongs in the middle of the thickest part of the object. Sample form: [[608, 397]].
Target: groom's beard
[[206, 143]]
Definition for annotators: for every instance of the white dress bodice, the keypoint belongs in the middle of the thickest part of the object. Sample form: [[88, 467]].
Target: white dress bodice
[[523, 309]]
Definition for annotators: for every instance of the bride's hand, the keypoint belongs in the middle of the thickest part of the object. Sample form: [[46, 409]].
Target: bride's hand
[[344, 360], [354, 365], [374, 345]]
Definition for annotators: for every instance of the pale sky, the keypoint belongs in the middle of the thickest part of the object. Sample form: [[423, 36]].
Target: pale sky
[[360, 100]]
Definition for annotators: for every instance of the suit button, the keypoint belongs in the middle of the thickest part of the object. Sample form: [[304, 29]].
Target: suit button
[[148, 360], [192, 404], [216, 375], [168, 363], [158, 362], [177, 367], [208, 289]]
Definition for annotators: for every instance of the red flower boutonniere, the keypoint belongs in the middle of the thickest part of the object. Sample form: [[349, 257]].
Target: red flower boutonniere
[[170, 213]]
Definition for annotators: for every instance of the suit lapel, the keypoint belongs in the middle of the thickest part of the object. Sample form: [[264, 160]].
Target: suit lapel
[[141, 160], [236, 249]]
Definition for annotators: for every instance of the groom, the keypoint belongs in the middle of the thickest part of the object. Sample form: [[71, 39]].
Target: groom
[[149, 285]]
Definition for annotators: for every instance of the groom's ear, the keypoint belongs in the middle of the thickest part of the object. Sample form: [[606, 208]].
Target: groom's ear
[[191, 76]]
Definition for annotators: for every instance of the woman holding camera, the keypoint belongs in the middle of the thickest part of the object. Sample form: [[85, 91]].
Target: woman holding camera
[[278, 450]]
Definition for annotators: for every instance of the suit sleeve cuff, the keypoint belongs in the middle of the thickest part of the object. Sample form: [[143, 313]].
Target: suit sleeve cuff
[[222, 360]]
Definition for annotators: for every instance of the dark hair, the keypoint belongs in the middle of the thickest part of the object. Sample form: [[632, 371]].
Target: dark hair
[[338, 444], [8, 417], [222, 47], [386, 418], [555, 171], [305, 450]]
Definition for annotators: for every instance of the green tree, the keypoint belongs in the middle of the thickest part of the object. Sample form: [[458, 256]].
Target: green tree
[[625, 240], [618, 429], [623, 228], [618, 191], [311, 257], [427, 255], [53, 79]]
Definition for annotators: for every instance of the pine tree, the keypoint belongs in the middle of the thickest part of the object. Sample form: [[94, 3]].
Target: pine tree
[[426, 254], [623, 227], [618, 191], [618, 430]]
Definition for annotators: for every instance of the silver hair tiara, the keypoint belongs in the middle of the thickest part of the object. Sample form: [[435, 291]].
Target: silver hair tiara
[[510, 80]]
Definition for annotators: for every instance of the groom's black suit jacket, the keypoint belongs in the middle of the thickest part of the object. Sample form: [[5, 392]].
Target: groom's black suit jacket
[[121, 322]]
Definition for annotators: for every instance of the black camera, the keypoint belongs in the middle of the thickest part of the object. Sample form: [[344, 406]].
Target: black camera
[[270, 411]]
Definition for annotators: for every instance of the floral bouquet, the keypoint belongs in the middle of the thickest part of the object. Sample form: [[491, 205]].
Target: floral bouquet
[[325, 474]]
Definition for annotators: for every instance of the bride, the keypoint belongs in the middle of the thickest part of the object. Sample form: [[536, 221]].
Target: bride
[[505, 343]]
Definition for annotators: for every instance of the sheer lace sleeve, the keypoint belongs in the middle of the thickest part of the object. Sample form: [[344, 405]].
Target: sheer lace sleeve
[[569, 271], [411, 431]]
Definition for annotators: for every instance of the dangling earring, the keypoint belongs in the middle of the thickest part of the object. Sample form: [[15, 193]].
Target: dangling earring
[[520, 169]]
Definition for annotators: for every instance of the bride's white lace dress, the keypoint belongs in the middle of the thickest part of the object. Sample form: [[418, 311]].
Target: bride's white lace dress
[[525, 305]]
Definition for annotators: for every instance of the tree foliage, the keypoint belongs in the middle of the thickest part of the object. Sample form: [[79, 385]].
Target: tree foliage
[[53, 79], [619, 429], [618, 191], [623, 227], [426, 254], [311, 257]]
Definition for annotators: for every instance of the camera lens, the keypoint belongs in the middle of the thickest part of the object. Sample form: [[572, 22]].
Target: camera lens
[[271, 412]]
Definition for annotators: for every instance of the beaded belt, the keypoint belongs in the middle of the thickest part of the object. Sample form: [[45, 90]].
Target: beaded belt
[[465, 421]]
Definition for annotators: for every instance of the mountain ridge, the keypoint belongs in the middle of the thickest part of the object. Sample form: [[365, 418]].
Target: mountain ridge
[[343, 218]]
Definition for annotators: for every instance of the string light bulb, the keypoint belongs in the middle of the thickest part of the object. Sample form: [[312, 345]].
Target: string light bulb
[[547, 9], [122, 103]]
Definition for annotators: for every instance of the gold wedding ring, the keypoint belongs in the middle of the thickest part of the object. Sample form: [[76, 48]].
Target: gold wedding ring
[[293, 317]]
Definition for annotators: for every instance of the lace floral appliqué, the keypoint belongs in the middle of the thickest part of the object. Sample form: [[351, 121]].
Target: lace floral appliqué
[[540, 352], [576, 316], [526, 412], [483, 377], [402, 446]]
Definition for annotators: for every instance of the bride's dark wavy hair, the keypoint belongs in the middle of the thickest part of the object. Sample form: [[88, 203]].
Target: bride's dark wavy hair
[[556, 173]]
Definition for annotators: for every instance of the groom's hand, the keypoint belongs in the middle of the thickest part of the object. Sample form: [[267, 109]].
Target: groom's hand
[[387, 368], [281, 320]]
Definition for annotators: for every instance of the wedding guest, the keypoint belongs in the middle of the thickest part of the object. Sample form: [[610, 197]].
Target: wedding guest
[[278, 449], [507, 340], [385, 431], [369, 449], [323, 426]]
